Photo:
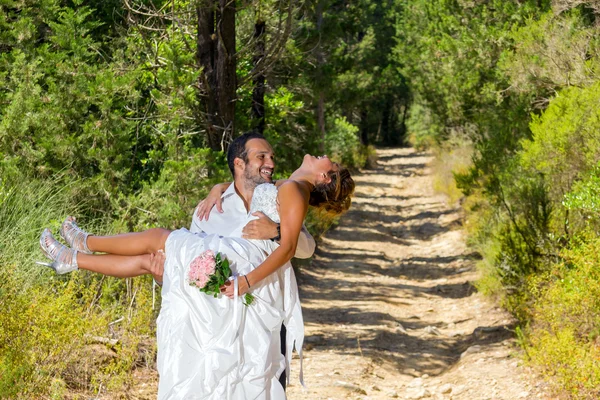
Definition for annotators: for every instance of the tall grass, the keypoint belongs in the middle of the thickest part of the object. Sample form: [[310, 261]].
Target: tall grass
[[47, 320], [25, 209], [451, 157]]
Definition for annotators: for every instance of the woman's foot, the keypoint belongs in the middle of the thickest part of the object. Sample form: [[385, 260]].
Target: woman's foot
[[64, 259], [75, 237]]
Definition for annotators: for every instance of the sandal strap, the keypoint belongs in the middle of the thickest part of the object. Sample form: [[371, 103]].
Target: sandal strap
[[75, 237], [64, 259]]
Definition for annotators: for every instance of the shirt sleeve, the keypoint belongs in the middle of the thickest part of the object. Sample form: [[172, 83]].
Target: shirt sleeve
[[306, 244]]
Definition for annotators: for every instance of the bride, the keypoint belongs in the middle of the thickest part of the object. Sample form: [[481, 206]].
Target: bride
[[214, 348]]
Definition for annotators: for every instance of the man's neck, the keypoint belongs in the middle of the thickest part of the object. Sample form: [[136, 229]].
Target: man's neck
[[244, 191]]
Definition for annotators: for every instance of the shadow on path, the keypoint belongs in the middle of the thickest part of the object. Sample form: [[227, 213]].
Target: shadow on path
[[354, 292]]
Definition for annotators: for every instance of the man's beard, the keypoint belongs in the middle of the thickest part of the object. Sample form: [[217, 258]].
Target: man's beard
[[252, 180]]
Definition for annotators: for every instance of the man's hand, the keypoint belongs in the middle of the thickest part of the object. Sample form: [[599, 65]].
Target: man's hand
[[157, 266], [212, 200], [262, 228]]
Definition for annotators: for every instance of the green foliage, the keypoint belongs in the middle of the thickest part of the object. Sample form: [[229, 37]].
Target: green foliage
[[556, 50], [565, 144], [30, 363], [452, 157], [169, 201], [584, 200], [423, 126], [286, 129], [564, 336], [519, 80], [342, 144], [59, 313]]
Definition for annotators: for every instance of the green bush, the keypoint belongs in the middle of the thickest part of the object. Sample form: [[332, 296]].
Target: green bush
[[47, 320], [452, 157], [169, 201], [565, 148], [40, 335], [423, 126], [563, 339], [343, 145], [584, 200], [555, 51]]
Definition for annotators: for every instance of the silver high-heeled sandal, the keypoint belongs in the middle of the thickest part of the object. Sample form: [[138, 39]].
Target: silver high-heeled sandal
[[75, 237], [64, 259]]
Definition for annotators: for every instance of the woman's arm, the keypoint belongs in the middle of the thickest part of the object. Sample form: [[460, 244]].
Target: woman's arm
[[213, 199], [293, 205]]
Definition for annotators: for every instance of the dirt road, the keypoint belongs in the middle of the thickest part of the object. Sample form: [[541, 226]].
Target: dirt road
[[389, 303]]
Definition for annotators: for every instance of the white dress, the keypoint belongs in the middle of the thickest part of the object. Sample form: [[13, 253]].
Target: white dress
[[217, 348]]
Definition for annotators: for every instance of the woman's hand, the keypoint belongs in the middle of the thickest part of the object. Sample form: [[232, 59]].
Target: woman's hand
[[227, 288], [212, 200]]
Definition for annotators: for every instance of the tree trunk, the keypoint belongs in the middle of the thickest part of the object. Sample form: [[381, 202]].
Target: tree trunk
[[364, 132], [215, 54], [205, 57], [402, 133], [385, 123], [258, 92], [320, 62], [226, 75], [321, 120]]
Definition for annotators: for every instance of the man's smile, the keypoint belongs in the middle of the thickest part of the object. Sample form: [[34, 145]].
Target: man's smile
[[267, 172]]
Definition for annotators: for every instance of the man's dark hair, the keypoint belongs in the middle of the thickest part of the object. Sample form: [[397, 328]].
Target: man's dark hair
[[237, 148]]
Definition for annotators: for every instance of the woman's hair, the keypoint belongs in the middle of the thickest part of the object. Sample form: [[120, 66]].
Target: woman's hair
[[334, 197]]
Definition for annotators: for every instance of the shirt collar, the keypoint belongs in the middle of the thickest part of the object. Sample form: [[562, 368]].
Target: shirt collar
[[230, 191]]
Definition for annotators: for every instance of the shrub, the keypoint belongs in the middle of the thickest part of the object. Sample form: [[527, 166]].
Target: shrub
[[564, 337], [584, 200], [46, 319], [342, 144], [170, 200], [451, 157], [423, 126]]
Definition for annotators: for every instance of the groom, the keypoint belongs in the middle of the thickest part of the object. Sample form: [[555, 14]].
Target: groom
[[250, 160], [253, 156]]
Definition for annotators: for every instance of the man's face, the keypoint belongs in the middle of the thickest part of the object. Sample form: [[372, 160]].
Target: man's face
[[259, 167]]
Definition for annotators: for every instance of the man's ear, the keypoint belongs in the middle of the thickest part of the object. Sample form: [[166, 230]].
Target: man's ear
[[238, 163]]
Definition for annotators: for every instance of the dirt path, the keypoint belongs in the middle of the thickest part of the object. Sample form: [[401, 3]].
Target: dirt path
[[389, 305]]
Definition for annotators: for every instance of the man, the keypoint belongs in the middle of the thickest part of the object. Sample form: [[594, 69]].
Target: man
[[256, 157], [253, 156]]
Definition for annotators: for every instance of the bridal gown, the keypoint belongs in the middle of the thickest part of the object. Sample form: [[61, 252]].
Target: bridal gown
[[218, 348]]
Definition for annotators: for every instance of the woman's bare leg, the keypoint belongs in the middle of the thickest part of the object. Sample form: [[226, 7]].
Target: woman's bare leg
[[130, 244], [118, 266]]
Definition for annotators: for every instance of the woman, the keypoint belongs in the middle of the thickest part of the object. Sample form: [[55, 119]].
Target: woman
[[210, 348]]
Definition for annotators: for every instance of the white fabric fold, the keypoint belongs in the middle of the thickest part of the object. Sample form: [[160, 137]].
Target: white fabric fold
[[217, 348]]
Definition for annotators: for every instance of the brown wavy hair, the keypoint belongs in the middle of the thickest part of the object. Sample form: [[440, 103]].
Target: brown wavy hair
[[334, 197]]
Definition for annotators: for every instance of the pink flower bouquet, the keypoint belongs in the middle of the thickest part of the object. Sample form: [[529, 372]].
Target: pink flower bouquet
[[209, 271]]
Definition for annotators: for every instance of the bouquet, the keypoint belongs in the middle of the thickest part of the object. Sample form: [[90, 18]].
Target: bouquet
[[209, 271]]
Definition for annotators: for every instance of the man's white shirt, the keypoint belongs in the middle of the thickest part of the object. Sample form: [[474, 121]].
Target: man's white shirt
[[234, 214]]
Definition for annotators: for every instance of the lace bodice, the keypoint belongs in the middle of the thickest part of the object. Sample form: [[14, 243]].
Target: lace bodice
[[264, 200]]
